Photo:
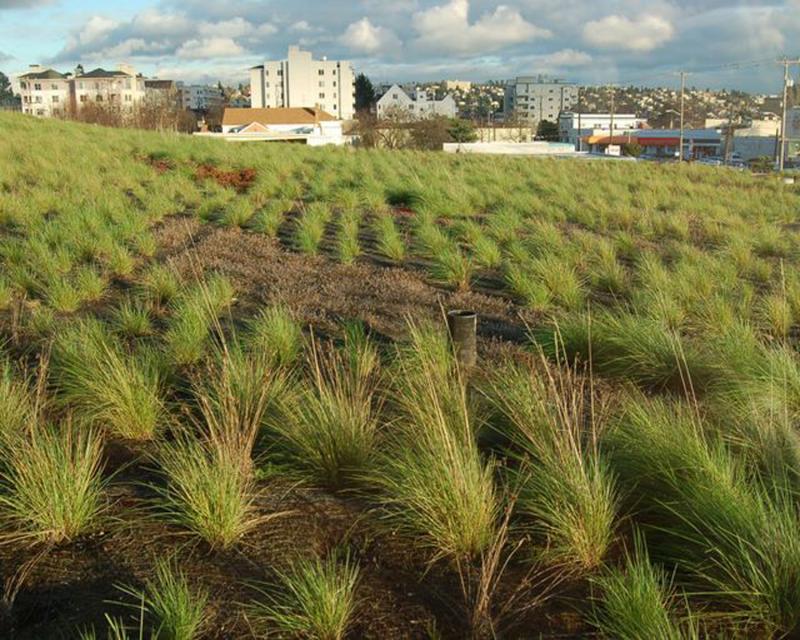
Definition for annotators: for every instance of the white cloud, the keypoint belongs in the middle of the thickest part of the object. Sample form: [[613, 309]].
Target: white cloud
[[566, 58], [645, 33], [96, 29], [364, 37], [209, 48], [302, 26], [156, 23], [233, 28], [446, 28]]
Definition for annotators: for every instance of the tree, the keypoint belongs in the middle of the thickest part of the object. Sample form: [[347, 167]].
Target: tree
[[632, 149], [547, 130], [430, 133], [462, 130], [6, 94], [365, 93]]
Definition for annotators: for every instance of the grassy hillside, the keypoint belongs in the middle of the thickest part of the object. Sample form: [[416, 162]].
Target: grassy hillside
[[228, 407]]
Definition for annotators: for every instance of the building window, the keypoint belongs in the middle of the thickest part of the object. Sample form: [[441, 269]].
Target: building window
[[84, 97], [322, 95], [37, 87], [321, 83], [334, 83], [54, 87], [321, 72], [55, 98], [128, 97], [280, 72], [39, 99], [99, 98], [23, 85]]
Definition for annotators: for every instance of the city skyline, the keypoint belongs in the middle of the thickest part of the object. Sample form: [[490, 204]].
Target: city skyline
[[725, 44]]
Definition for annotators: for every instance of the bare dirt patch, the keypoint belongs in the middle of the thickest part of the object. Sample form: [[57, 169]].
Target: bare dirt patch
[[323, 292]]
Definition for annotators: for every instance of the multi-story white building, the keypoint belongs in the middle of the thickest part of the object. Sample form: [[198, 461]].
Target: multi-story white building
[[420, 104], [201, 97], [122, 87], [300, 81], [534, 98], [46, 92], [43, 92], [573, 127]]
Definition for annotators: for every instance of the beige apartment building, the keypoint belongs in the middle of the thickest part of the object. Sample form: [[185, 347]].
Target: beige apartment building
[[47, 92], [302, 82]]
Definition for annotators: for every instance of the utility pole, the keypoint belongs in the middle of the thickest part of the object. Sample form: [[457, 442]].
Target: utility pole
[[580, 136], [787, 82], [683, 102]]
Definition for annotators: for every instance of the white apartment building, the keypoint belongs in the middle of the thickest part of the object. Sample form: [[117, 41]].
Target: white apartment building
[[201, 97], [300, 81], [46, 92], [574, 127], [121, 87], [420, 104], [535, 98]]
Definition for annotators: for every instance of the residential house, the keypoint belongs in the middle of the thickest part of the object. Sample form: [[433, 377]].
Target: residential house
[[420, 104], [300, 81]]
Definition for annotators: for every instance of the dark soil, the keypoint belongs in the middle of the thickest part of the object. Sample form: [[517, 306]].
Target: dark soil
[[241, 179], [52, 592]]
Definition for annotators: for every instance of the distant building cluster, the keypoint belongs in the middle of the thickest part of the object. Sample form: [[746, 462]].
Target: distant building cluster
[[45, 92]]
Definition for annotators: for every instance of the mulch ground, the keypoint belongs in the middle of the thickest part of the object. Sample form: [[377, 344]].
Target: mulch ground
[[52, 592]]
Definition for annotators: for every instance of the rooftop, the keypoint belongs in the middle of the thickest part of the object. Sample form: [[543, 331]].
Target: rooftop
[[45, 74], [289, 115]]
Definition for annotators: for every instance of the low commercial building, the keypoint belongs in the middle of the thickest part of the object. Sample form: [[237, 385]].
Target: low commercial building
[[574, 127], [420, 104], [661, 143], [300, 81], [535, 98], [313, 127]]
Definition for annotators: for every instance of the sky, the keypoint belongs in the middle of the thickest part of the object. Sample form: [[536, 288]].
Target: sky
[[722, 43]]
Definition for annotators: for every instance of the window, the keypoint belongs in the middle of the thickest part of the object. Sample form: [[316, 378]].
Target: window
[[37, 87], [321, 83], [394, 96], [266, 85], [280, 72], [23, 85], [39, 99], [40, 112], [84, 97], [322, 95], [54, 87], [55, 98], [266, 72], [99, 98], [321, 72], [128, 97], [334, 83]]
